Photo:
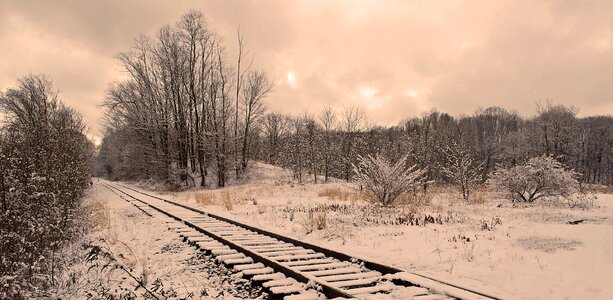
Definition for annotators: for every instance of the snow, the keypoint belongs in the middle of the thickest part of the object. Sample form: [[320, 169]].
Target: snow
[[436, 286], [533, 253], [145, 246]]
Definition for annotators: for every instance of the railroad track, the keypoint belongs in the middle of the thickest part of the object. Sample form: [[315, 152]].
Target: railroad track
[[288, 268]]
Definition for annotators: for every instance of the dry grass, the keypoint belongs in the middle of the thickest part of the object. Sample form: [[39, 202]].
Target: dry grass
[[417, 197], [211, 198], [479, 196], [414, 198], [412, 208], [335, 193], [328, 192], [226, 200], [244, 200], [204, 198], [184, 197], [437, 208], [320, 220], [367, 197], [314, 221], [101, 214], [438, 189]]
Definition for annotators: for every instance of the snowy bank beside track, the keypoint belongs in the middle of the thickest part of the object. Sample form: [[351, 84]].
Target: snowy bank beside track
[[533, 252]]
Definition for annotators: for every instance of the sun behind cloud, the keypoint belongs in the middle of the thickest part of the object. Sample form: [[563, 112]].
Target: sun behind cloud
[[371, 97], [291, 79]]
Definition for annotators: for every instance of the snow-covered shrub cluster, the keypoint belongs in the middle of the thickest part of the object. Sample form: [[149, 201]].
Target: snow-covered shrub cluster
[[43, 174], [581, 200], [540, 177], [385, 180]]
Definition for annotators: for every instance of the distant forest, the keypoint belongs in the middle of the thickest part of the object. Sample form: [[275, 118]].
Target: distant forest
[[189, 116]]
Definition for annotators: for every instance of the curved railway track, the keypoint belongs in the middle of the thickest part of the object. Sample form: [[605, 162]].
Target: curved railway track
[[288, 268]]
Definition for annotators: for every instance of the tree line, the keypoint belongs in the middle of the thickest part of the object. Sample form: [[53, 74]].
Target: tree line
[[183, 109], [188, 115], [325, 145]]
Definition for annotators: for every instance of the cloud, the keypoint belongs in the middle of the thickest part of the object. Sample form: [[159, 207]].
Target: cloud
[[414, 55], [553, 53]]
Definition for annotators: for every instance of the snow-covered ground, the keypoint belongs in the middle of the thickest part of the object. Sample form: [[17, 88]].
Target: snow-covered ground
[[151, 253], [529, 252]]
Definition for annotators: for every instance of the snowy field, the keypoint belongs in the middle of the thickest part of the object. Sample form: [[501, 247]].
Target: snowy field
[[534, 252]]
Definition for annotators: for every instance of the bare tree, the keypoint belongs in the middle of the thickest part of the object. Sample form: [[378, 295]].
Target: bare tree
[[196, 37], [221, 114], [296, 150], [328, 121], [175, 109], [240, 74], [461, 168], [487, 131], [351, 122], [595, 153], [257, 88], [276, 127], [557, 130], [312, 139]]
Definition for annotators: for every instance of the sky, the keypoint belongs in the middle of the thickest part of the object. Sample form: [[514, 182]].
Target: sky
[[394, 59]]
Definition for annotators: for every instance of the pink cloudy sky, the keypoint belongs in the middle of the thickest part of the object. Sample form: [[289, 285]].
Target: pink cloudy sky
[[395, 59]]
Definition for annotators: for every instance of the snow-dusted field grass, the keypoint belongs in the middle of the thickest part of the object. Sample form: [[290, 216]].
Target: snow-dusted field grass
[[529, 252]]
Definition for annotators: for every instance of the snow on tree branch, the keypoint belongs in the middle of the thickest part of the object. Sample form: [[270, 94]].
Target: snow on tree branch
[[540, 177], [384, 180]]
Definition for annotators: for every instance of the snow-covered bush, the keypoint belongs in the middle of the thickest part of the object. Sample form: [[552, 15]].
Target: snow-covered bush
[[461, 168], [43, 175], [385, 180], [540, 177], [580, 200]]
